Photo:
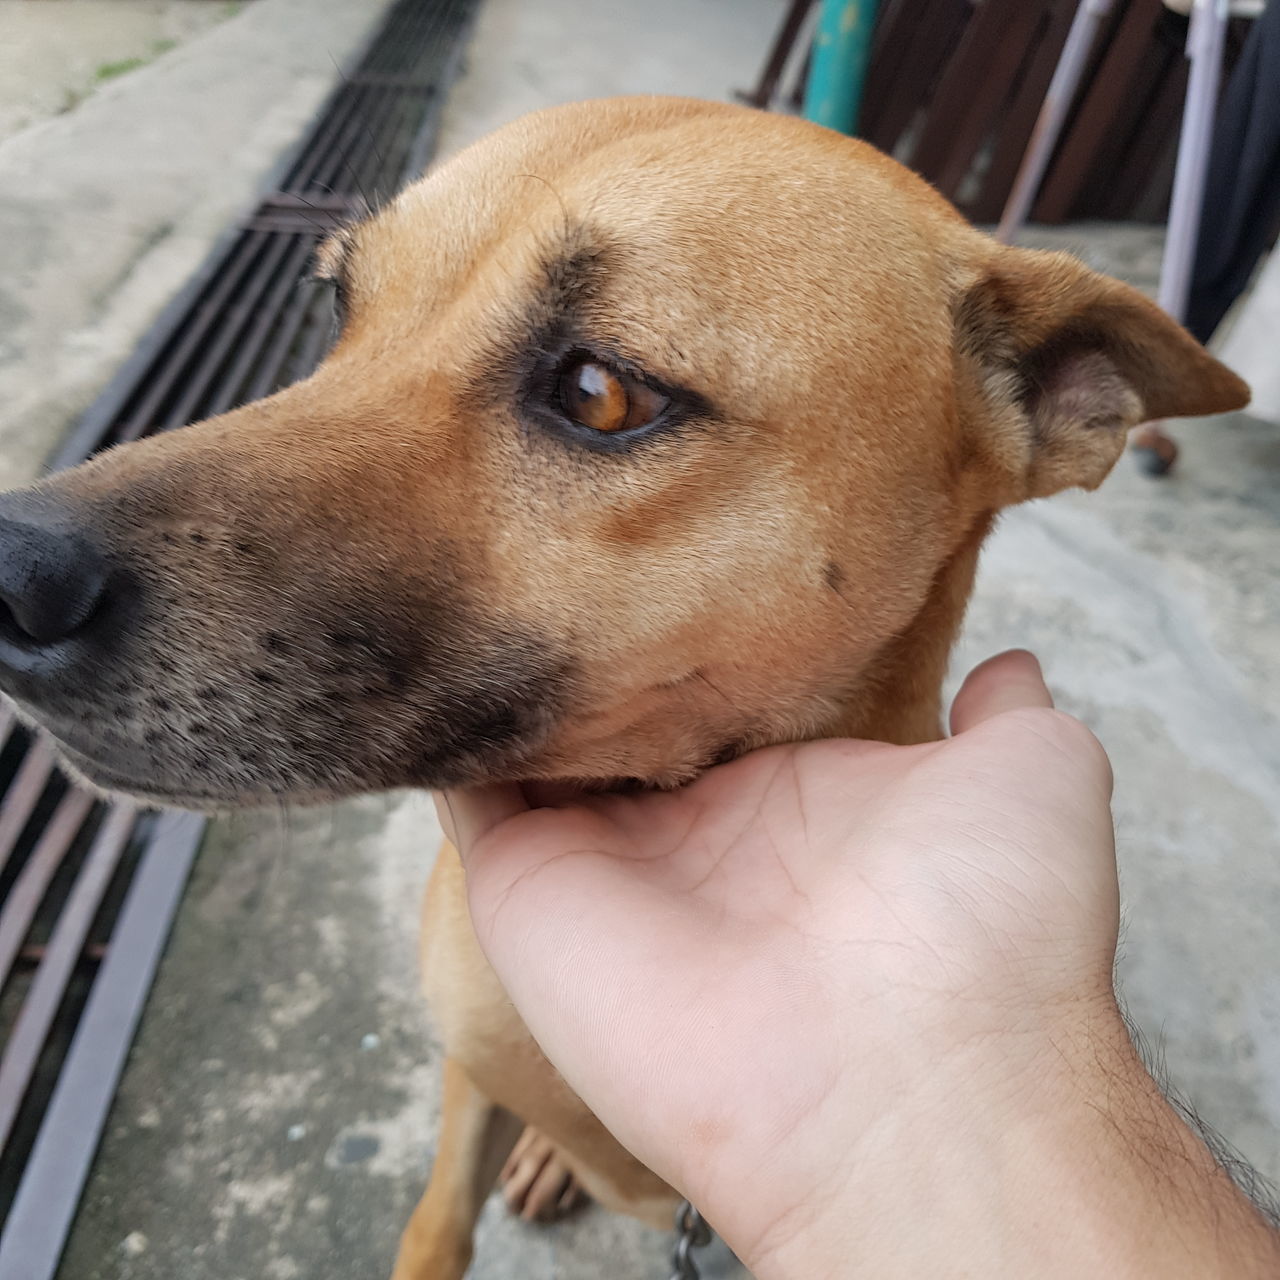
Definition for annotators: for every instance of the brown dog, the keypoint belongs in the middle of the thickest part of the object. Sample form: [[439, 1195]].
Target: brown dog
[[657, 431]]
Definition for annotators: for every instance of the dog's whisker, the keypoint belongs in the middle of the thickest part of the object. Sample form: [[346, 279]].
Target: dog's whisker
[[321, 224], [715, 688], [550, 186], [284, 844], [355, 177]]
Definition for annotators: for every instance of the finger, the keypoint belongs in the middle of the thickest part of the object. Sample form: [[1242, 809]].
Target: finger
[[1003, 683], [469, 813]]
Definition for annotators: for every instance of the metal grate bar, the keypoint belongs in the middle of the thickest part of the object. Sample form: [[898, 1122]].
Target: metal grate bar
[[323, 142], [232, 317], [24, 898], [371, 131], [21, 798], [22, 1051], [42, 1210], [299, 306], [143, 415], [223, 393]]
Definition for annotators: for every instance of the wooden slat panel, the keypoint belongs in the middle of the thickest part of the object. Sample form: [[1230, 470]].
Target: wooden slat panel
[[1115, 150], [992, 92], [1103, 102], [969, 66], [893, 60], [928, 40], [765, 88], [1020, 121]]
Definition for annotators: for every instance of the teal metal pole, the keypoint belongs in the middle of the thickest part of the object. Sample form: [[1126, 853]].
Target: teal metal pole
[[841, 50]]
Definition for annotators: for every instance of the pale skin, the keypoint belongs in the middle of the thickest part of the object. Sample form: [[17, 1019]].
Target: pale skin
[[856, 1002]]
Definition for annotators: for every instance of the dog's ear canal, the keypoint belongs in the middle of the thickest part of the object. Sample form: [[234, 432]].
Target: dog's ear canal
[[1064, 361]]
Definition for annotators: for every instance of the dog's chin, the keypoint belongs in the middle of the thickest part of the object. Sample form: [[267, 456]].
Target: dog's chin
[[108, 770], [114, 784], [114, 781]]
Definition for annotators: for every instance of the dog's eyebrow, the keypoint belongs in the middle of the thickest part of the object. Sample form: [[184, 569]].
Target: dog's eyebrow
[[572, 271], [567, 280]]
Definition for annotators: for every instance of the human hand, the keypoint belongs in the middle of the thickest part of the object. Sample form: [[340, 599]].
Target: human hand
[[737, 975], [855, 1000]]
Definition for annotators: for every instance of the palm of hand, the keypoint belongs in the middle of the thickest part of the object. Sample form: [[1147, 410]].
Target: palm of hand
[[736, 953]]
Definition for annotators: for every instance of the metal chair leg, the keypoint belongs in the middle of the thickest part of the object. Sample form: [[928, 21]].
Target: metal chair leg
[[1205, 41], [1206, 36]]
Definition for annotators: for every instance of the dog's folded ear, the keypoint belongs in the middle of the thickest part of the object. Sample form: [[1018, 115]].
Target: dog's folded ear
[[1067, 360]]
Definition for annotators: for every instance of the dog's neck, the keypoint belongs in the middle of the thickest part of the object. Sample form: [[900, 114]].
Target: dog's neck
[[900, 699]]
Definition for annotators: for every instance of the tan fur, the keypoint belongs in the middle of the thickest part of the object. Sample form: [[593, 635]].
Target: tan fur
[[408, 571]]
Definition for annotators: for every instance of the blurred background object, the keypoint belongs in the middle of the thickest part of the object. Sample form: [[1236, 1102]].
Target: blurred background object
[[953, 89]]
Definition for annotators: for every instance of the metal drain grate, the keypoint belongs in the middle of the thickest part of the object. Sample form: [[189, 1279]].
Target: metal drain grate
[[88, 889]]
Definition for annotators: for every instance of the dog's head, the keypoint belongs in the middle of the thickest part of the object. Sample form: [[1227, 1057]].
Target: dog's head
[[651, 432]]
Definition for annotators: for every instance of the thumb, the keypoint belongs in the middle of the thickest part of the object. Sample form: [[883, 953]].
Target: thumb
[[468, 814], [1004, 683]]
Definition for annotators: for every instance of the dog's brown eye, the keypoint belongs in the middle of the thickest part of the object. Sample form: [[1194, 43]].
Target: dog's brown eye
[[603, 400]]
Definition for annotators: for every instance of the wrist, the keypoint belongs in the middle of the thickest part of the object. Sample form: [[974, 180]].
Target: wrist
[[1048, 1153]]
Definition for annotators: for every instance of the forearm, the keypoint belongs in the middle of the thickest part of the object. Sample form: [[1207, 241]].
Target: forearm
[[1079, 1168]]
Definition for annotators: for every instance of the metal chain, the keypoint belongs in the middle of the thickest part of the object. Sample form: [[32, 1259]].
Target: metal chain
[[692, 1233]]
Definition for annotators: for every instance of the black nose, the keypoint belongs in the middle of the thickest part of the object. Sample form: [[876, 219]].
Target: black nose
[[52, 582]]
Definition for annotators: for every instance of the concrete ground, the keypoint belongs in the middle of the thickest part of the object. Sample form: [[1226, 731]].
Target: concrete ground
[[55, 53], [277, 1116]]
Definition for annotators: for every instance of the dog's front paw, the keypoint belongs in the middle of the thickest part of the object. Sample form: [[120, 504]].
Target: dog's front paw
[[536, 1182]]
